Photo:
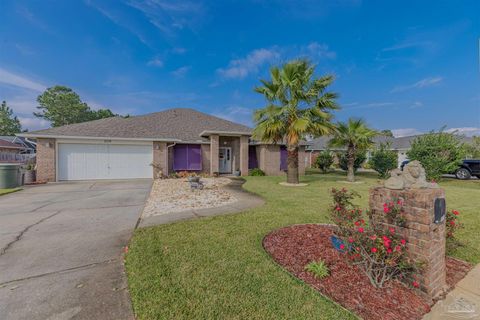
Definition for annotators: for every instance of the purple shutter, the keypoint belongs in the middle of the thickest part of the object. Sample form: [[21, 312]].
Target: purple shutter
[[194, 157], [187, 157], [180, 157], [283, 158], [252, 157]]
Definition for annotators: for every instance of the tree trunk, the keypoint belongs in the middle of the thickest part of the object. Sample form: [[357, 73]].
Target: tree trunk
[[292, 164], [350, 164]]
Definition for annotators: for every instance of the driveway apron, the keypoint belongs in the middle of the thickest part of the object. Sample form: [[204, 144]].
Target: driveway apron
[[61, 249]]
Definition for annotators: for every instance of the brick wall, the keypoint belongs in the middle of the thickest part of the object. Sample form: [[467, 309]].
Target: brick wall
[[206, 158], [214, 144], [426, 240], [244, 155], [160, 159], [46, 161], [268, 156]]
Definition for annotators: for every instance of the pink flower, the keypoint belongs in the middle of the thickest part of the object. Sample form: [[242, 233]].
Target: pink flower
[[342, 246], [403, 241], [338, 208], [357, 223], [392, 230], [374, 249], [455, 212], [350, 240], [389, 250], [415, 284], [386, 209], [399, 202], [452, 223], [374, 237], [398, 248], [360, 230]]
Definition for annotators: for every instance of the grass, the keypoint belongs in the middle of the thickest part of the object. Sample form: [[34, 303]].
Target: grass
[[216, 268], [7, 191]]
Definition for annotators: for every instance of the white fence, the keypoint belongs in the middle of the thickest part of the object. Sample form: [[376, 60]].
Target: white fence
[[6, 157]]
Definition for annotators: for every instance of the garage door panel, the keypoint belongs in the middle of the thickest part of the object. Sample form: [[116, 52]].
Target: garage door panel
[[103, 161]]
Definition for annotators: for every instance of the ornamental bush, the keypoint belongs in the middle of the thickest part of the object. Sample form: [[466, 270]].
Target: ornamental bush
[[360, 158], [324, 161], [383, 160], [380, 254], [256, 172], [438, 152]]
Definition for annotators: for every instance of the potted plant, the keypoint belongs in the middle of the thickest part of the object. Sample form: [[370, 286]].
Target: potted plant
[[29, 175]]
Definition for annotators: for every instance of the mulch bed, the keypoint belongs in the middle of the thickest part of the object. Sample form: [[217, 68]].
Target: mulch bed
[[295, 246]]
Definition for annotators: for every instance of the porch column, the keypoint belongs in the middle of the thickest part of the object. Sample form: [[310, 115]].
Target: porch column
[[160, 159], [244, 155], [214, 144], [46, 160]]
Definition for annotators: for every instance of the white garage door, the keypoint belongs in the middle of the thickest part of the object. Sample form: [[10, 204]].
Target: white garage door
[[77, 161]]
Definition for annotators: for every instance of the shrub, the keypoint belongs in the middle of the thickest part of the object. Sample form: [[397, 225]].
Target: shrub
[[360, 158], [318, 268], [256, 172], [380, 254], [324, 161], [453, 223], [438, 152], [383, 160]]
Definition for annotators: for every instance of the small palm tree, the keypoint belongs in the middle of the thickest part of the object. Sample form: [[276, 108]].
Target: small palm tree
[[356, 136], [298, 105]]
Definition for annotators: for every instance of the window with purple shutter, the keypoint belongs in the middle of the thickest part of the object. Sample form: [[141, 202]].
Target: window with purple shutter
[[187, 157], [252, 157], [283, 158]]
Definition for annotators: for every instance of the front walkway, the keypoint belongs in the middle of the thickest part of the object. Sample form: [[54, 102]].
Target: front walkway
[[61, 248], [245, 201], [463, 302]]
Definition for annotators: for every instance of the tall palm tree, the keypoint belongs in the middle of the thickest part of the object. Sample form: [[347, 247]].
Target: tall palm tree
[[356, 136], [298, 105]]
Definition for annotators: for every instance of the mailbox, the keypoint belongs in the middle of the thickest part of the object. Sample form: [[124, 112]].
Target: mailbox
[[440, 210]]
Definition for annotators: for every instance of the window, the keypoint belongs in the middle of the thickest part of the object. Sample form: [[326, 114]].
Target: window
[[187, 157]]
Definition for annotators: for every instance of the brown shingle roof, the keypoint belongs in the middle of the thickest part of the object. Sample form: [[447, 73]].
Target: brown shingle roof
[[179, 124]]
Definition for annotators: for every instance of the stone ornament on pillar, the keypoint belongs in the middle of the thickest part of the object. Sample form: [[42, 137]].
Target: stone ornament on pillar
[[413, 176]]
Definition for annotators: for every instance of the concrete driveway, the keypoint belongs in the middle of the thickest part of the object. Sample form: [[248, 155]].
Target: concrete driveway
[[61, 249]]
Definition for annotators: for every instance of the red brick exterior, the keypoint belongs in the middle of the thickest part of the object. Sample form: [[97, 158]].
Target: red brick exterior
[[46, 160], [425, 239], [160, 159]]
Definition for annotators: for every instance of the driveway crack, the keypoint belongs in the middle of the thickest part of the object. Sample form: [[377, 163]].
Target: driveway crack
[[20, 235]]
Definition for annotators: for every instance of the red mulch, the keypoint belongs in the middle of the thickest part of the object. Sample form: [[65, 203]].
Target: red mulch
[[295, 246]]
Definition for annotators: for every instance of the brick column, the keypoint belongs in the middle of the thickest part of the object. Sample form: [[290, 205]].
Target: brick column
[[244, 155], [160, 159], [425, 239], [46, 160], [214, 144]]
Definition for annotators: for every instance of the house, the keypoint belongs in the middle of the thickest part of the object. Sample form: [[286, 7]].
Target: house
[[400, 145], [15, 150], [153, 145]]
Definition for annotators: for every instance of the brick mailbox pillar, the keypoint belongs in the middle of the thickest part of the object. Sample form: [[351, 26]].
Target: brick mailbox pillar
[[424, 230]]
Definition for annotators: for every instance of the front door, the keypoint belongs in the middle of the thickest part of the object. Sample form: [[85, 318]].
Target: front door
[[225, 160]]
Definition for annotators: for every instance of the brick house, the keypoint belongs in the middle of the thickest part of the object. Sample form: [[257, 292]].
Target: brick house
[[151, 145]]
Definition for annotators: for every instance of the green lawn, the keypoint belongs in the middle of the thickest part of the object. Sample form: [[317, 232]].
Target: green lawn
[[7, 191], [216, 268]]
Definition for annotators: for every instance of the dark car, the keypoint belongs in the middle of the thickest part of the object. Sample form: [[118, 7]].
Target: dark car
[[468, 169]]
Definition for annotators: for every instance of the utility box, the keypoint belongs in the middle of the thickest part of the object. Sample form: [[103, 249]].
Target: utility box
[[9, 175]]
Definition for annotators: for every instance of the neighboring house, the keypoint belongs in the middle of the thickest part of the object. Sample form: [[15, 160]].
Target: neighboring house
[[152, 145], [12, 149], [26, 146], [400, 145]]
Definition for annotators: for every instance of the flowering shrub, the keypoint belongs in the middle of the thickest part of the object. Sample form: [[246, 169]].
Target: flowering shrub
[[381, 254], [452, 224], [394, 212]]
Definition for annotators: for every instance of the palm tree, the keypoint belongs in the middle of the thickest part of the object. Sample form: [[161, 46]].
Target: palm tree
[[298, 105], [356, 136]]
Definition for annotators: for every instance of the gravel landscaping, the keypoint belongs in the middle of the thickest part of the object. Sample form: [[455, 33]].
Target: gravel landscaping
[[296, 246], [175, 195]]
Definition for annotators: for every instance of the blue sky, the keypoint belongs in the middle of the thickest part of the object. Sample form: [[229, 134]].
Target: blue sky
[[410, 66]]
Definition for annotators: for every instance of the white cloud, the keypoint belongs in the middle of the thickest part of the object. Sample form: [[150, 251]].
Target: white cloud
[[236, 114], [241, 68], [181, 72], [408, 44], [155, 62], [405, 132], [12, 79], [416, 104], [32, 123], [467, 131], [320, 50], [424, 83]]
